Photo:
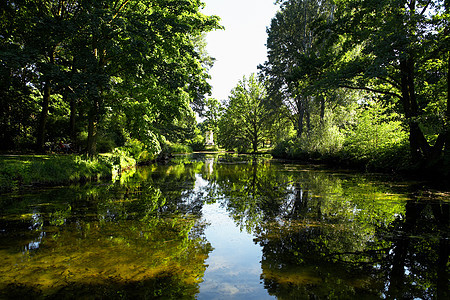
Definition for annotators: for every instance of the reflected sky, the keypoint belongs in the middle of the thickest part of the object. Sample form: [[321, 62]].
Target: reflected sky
[[216, 228], [234, 266]]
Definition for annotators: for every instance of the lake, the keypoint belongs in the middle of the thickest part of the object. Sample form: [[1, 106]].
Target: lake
[[207, 226]]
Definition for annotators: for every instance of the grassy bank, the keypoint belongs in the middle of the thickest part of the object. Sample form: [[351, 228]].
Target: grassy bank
[[391, 158], [18, 171]]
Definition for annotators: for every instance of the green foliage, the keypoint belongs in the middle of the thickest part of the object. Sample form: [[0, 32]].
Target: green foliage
[[244, 124], [175, 148], [317, 50], [371, 136], [296, 58], [394, 55], [113, 71], [212, 148], [18, 171], [136, 152], [212, 114], [324, 141], [283, 148], [198, 142], [377, 138]]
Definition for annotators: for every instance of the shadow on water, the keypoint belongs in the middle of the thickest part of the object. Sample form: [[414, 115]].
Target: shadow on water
[[322, 234]]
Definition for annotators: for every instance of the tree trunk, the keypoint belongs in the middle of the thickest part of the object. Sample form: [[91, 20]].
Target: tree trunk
[[308, 116], [420, 149], [322, 109], [92, 130], [255, 139], [40, 139], [73, 110], [301, 114], [447, 129], [73, 107]]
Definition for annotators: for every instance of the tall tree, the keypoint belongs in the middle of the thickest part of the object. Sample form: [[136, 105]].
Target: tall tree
[[39, 30], [245, 120], [385, 49], [296, 58], [142, 52], [142, 60], [212, 114]]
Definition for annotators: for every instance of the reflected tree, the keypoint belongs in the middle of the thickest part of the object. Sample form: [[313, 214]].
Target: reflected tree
[[343, 235], [140, 236]]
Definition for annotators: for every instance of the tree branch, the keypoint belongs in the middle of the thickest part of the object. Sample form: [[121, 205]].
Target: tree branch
[[120, 8], [371, 90], [391, 82], [425, 8]]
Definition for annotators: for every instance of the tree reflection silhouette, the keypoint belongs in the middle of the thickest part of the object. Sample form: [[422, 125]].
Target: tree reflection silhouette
[[341, 236], [323, 234], [137, 238]]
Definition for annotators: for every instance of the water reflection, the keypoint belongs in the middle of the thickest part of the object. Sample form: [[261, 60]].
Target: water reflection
[[138, 238], [220, 227]]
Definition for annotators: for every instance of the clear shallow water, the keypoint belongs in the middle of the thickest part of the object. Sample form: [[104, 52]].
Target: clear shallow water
[[210, 227]]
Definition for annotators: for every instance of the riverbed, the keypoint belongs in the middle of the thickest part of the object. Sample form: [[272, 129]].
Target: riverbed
[[210, 226]]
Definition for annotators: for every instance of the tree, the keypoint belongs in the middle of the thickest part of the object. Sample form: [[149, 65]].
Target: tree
[[212, 114], [38, 32], [140, 60], [245, 120], [296, 58], [385, 48], [142, 52]]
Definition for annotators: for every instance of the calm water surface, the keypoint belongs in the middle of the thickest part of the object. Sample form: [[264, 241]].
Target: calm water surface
[[221, 227]]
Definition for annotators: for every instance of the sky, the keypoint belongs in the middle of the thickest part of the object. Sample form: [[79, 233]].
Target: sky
[[241, 47]]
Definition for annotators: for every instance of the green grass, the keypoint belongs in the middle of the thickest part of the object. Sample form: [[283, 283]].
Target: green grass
[[175, 148], [17, 171]]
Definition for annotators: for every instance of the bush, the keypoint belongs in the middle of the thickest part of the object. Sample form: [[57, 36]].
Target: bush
[[326, 140], [138, 151], [197, 143], [178, 148], [377, 140], [374, 139], [283, 148], [212, 148]]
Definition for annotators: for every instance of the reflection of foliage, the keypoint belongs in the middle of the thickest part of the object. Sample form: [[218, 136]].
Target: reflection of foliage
[[129, 253], [140, 236], [322, 235], [325, 234]]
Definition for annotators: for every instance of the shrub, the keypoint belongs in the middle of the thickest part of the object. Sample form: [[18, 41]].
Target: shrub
[[197, 143], [137, 150], [283, 148], [377, 140], [178, 148]]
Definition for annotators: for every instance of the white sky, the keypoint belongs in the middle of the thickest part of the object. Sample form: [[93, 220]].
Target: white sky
[[240, 48]]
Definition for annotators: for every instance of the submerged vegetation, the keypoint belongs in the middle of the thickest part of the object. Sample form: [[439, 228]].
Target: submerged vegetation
[[319, 233]]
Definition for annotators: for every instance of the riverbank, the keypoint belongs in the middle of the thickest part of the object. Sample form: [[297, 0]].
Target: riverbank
[[19, 171], [386, 163], [22, 171]]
